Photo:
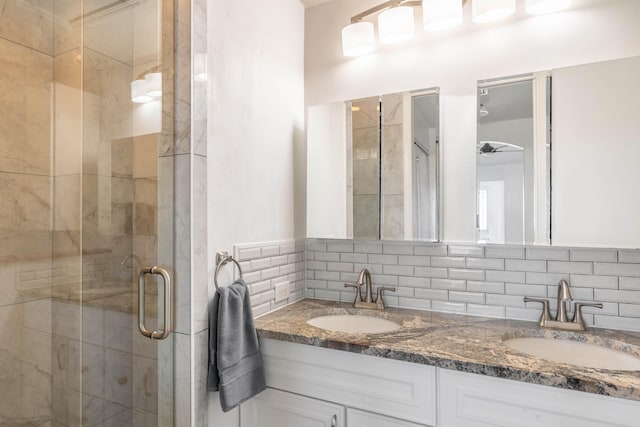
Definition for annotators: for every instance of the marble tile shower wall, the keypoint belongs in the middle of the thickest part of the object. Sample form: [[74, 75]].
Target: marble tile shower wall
[[265, 265], [481, 280]]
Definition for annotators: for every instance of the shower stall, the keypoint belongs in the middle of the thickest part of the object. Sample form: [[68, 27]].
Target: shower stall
[[86, 191]]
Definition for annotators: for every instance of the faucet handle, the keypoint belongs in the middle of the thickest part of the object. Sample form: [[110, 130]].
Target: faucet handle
[[356, 286], [379, 300], [546, 314], [577, 315]]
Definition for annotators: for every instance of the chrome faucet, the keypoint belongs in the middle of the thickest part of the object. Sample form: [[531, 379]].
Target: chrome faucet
[[364, 278], [561, 320]]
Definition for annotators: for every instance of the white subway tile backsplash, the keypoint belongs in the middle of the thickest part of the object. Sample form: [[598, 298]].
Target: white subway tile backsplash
[[450, 307], [569, 267], [506, 252], [421, 304], [526, 290], [603, 255], [486, 263], [629, 256], [616, 269], [447, 262], [475, 279], [548, 253], [505, 276], [270, 273], [458, 250], [287, 248], [415, 282], [421, 261], [383, 259], [458, 285], [397, 249], [472, 297], [464, 274], [430, 272], [248, 254], [525, 265], [486, 287], [279, 260], [430, 250], [432, 294], [269, 251], [631, 283], [486, 310]]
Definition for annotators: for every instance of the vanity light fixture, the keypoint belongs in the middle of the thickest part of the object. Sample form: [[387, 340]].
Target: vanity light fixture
[[146, 87], [492, 10], [441, 15], [139, 92], [539, 7], [395, 25]]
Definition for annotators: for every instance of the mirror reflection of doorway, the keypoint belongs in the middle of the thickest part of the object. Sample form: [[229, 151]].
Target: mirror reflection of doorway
[[491, 212]]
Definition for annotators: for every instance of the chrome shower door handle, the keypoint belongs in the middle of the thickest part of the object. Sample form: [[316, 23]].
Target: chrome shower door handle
[[159, 334]]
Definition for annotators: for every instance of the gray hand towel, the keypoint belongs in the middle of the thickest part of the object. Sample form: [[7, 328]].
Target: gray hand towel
[[235, 362]]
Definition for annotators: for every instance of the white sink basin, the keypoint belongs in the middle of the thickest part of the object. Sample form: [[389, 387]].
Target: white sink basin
[[354, 324], [576, 353]]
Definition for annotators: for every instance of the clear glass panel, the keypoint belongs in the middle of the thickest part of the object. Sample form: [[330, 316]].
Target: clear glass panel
[[83, 191]]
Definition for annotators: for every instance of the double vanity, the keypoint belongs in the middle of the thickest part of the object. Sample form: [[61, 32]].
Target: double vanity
[[330, 364]]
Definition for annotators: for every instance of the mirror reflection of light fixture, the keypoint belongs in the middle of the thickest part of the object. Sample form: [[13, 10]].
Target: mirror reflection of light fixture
[[492, 10], [395, 25], [139, 92], [358, 39], [200, 67], [441, 15], [153, 82], [538, 7], [483, 112]]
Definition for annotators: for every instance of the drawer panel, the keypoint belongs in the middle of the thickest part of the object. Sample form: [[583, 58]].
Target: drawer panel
[[470, 400], [356, 418], [389, 387]]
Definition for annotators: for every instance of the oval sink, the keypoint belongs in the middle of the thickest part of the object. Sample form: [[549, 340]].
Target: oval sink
[[576, 353], [354, 324]]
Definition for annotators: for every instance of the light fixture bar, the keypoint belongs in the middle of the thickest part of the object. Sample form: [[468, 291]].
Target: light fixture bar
[[388, 5]]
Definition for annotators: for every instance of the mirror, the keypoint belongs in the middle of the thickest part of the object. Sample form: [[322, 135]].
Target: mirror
[[569, 173], [372, 169], [513, 160]]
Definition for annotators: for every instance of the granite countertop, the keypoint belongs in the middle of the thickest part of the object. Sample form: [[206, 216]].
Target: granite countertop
[[458, 342]]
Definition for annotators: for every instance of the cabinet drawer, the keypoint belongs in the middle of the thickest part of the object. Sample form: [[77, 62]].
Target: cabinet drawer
[[389, 387], [357, 418], [470, 400], [279, 409]]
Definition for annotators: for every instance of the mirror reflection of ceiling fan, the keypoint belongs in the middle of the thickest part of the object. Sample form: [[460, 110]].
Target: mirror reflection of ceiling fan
[[493, 147]]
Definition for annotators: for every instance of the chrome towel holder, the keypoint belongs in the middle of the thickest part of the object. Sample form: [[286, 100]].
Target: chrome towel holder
[[223, 258]]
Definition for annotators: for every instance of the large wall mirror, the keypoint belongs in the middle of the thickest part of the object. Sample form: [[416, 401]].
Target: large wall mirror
[[556, 162], [372, 168]]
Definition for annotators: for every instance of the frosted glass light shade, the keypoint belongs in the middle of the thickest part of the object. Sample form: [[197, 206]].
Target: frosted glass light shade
[[139, 92], [538, 7], [358, 39], [492, 10], [395, 25], [200, 67], [441, 14], [153, 82]]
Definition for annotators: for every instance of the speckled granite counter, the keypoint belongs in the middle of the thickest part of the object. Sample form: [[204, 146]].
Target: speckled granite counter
[[458, 342]]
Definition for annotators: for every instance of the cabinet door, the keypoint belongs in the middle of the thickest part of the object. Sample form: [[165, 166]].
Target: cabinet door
[[273, 408], [357, 418]]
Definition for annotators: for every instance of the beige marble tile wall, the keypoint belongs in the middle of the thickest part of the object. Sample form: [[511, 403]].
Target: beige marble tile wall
[[26, 68], [392, 168], [365, 115]]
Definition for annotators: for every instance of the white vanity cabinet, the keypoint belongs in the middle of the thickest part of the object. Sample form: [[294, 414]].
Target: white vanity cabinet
[[279, 409], [366, 391], [470, 400]]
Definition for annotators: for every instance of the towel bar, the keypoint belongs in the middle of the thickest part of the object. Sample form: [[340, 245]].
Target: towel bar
[[223, 258]]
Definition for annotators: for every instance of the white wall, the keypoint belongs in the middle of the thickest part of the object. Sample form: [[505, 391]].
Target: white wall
[[255, 155], [592, 30]]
